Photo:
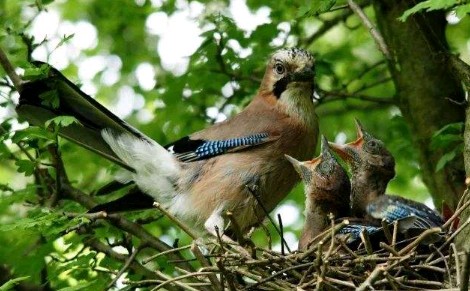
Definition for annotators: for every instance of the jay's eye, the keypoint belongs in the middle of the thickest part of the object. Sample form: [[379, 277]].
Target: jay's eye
[[279, 68]]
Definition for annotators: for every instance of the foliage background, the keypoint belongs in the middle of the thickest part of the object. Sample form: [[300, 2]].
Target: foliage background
[[115, 49]]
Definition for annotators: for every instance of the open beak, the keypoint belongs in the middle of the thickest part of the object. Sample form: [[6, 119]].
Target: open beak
[[325, 147], [359, 129], [304, 168], [344, 151]]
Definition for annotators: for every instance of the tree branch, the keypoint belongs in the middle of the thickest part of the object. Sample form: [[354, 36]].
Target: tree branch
[[102, 248], [8, 67], [382, 46], [124, 224], [330, 96]]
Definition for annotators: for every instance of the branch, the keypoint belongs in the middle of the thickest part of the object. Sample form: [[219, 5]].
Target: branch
[[348, 108], [373, 31], [178, 222], [124, 224], [126, 266], [102, 248], [8, 67], [327, 25], [336, 95]]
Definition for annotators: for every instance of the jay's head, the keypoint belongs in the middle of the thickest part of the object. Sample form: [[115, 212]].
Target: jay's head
[[289, 69], [367, 153], [324, 178]]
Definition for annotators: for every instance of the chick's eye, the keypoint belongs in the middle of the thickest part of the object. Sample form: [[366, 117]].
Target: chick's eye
[[372, 144], [279, 68]]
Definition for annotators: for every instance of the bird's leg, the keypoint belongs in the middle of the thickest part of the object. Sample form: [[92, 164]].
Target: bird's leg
[[216, 222]]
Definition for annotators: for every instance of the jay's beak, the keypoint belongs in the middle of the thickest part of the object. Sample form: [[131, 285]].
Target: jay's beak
[[306, 75]]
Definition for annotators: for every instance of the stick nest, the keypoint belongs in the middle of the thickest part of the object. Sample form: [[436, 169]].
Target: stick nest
[[421, 262]]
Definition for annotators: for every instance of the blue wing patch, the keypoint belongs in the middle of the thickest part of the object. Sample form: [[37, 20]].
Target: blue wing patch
[[354, 231], [188, 150], [393, 208]]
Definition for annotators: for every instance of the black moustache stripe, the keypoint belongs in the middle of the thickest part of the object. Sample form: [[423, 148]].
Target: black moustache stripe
[[280, 86]]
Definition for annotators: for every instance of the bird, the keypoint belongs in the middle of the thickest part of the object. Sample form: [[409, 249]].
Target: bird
[[201, 176], [373, 166], [327, 189]]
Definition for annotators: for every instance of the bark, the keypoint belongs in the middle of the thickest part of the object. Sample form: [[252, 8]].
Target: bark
[[427, 89]]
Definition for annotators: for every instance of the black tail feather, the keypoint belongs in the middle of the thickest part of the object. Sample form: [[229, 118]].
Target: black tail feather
[[93, 116], [111, 187], [134, 200]]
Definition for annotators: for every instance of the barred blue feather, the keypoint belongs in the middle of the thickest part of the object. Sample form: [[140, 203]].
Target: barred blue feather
[[391, 208], [354, 231], [188, 150]]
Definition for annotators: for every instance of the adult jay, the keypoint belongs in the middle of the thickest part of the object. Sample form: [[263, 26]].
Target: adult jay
[[201, 176]]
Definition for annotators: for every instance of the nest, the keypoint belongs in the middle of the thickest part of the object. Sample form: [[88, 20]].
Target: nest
[[330, 263]]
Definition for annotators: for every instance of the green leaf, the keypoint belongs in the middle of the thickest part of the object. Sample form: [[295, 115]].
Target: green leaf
[[34, 73], [32, 132], [64, 39], [451, 128], [50, 98], [428, 5], [322, 6], [462, 11], [447, 157], [62, 121], [79, 286], [444, 160], [448, 135], [26, 167], [9, 285], [39, 220]]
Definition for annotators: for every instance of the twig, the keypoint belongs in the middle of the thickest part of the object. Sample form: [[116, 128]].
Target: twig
[[281, 228], [382, 46], [145, 261], [340, 282], [235, 227], [457, 265], [266, 212], [327, 25], [366, 240], [395, 233], [456, 214], [386, 230], [419, 239], [175, 280], [465, 272], [125, 267], [101, 247], [226, 275], [123, 224], [328, 233], [8, 67], [212, 277], [371, 278], [389, 249], [178, 222], [331, 96], [280, 273]]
